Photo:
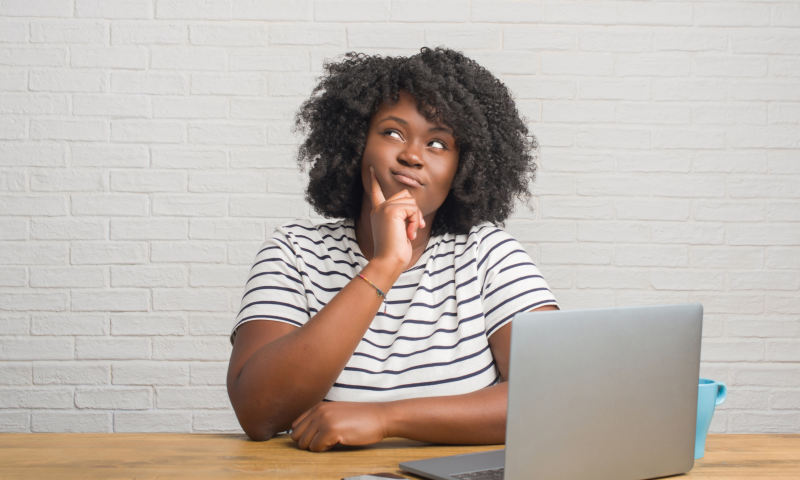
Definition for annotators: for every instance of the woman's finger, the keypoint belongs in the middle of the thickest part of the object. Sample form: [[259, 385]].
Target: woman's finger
[[376, 193]]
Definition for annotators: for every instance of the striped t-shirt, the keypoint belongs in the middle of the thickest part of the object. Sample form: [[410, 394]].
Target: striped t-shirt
[[432, 340]]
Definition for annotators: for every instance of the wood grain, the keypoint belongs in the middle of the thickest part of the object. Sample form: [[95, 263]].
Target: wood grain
[[201, 456]]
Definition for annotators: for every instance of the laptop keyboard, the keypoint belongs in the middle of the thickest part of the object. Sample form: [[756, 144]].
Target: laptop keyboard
[[492, 474]]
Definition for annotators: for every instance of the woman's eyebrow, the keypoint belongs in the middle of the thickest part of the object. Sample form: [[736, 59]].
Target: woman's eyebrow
[[436, 128]]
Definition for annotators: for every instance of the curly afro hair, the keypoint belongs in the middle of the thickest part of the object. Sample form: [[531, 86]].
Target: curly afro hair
[[497, 154]]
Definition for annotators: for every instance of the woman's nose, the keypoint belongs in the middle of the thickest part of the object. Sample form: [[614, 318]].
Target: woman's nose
[[410, 156]]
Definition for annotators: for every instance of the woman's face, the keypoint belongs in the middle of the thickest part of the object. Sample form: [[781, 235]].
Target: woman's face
[[407, 151]]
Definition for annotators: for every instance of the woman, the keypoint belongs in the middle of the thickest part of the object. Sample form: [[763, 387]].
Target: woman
[[394, 320]]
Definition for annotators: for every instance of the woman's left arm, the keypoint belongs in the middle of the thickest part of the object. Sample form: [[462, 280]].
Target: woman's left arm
[[474, 418]]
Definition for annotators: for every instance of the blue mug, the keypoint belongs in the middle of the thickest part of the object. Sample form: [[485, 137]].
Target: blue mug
[[710, 394]]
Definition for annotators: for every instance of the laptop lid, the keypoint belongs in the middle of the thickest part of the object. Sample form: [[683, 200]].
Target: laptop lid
[[602, 393]]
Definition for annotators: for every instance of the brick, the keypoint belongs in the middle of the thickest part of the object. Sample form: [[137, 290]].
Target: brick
[[577, 64], [33, 56], [240, 181], [14, 324], [726, 257], [228, 35], [722, 15], [120, 57], [88, 130], [189, 205], [764, 234], [148, 276], [69, 277], [729, 162], [422, 11], [141, 33], [727, 66], [726, 303], [150, 180], [136, 324], [273, 10], [67, 180], [187, 58], [277, 206], [774, 90], [183, 157], [182, 252], [195, 299], [767, 375], [782, 257], [130, 156], [109, 204], [269, 157], [36, 397], [614, 89], [758, 422], [149, 373], [36, 8], [593, 14], [12, 129], [114, 398], [53, 302], [616, 278], [785, 399], [543, 231], [783, 350], [652, 114], [71, 422], [14, 81], [11, 181], [687, 90], [614, 231], [748, 399], [316, 35], [577, 111], [33, 253], [151, 131], [115, 9], [687, 280], [192, 348], [13, 229], [603, 137], [16, 374], [228, 84], [188, 9], [264, 109], [190, 107], [38, 205], [115, 300], [15, 422], [697, 138], [691, 233], [34, 155], [71, 373], [774, 42], [271, 60], [152, 421], [209, 373], [538, 37], [655, 209], [782, 303], [690, 40], [615, 41], [111, 105], [215, 422], [783, 211], [211, 323], [762, 186], [108, 253], [13, 32], [222, 229], [577, 254], [192, 397], [576, 208], [67, 323], [732, 350], [64, 229], [784, 113], [227, 134], [465, 37], [763, 327], [33, 103], [386, 36], [155, 83], [106, 348], [216, 276], [351, 10], [651, 255]]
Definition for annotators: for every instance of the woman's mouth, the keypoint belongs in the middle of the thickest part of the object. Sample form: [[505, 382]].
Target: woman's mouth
[[407, 178]]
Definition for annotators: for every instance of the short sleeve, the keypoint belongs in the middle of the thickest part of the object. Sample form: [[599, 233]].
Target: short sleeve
[[511, 281], [274, 289]]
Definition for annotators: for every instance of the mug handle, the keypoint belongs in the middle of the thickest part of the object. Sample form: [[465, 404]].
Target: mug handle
[[722, 392]]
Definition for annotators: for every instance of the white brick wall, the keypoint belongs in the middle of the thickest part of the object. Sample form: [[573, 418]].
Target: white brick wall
[[146, 150]]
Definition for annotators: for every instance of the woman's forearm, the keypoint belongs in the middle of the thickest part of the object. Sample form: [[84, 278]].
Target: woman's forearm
[[473, 418], [287, 376]]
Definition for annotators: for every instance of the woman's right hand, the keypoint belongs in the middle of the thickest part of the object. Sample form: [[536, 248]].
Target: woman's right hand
[[395, 222]]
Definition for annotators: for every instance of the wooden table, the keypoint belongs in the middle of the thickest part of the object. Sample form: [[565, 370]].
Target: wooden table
[[198, 456]]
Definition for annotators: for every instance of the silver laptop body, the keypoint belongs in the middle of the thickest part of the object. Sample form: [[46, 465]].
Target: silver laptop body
[[602, 394]]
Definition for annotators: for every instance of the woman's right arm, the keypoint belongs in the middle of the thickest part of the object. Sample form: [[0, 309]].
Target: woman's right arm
[[278, 371]]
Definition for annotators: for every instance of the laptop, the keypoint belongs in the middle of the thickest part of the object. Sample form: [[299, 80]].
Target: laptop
[[602, 394]]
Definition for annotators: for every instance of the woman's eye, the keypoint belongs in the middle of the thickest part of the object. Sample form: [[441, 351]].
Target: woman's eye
[[393, 133], [438, 144]]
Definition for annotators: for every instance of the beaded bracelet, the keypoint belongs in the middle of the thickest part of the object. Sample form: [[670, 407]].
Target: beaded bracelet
[[377, 290]]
